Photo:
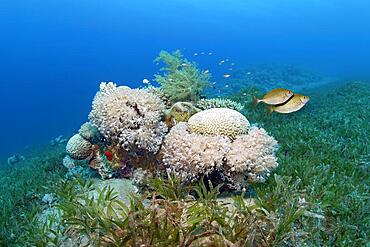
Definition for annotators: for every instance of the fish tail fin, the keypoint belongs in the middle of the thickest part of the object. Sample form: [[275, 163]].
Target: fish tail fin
[[255, 101], [269, 109]]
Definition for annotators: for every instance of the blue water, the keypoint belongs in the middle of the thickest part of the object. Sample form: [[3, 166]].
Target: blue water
[[55, 53]]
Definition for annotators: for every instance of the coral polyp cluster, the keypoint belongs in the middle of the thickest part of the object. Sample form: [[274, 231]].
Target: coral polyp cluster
[[236, 162], [252, 156], [190, 155], [131, 118]]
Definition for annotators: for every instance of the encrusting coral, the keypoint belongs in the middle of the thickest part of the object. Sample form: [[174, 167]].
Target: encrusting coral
[[182, 80], [219, 121], [78, 147], [206, 104], [131, 118]]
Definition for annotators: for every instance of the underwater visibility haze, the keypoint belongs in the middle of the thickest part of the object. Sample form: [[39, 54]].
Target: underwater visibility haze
[[184, 123]]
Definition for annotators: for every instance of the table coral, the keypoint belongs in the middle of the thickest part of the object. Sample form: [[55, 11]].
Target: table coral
[[131, 118]]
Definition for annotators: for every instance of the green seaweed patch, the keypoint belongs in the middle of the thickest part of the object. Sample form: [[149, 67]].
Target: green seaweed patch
[[22, 188], [175, 215], [326, 147]]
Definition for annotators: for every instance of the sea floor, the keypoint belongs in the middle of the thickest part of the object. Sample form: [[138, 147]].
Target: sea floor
[[318, 196]]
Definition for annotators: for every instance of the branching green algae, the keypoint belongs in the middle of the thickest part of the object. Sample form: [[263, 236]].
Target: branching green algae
[[182, 80]]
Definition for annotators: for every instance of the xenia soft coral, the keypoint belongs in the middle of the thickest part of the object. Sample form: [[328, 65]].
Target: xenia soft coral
[[189, 155], [252, 157], [131, 118], [247, 158]]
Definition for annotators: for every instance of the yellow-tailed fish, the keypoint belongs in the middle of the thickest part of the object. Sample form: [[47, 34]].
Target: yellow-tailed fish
[[293, 104], [274, 97]]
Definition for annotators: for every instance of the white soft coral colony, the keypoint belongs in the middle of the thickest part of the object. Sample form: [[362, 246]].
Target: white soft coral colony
[[129, 117], [238, 153], [218, 141]]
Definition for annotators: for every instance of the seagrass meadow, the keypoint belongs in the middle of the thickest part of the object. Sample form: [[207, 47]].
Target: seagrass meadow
[[317, 196]]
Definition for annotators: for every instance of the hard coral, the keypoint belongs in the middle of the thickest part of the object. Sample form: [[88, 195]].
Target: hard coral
[[78, 148], [129, 117], [206, 104], [219, 121], [182, 80], [90, 133]]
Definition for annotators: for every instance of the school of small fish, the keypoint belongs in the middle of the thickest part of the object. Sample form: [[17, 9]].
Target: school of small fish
[[277, 100]]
